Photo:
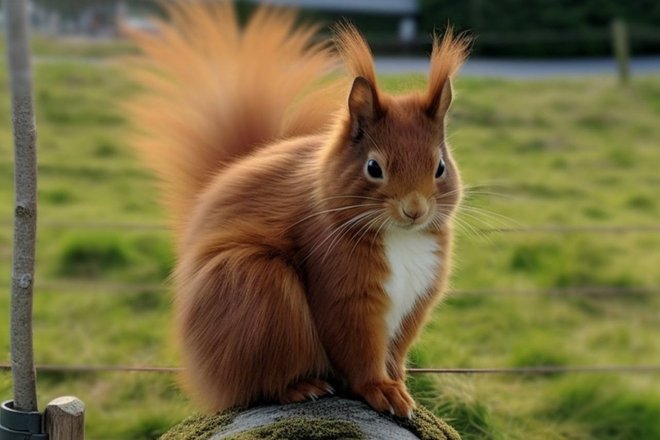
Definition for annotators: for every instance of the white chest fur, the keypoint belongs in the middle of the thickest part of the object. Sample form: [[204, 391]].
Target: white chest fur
[[414, 261]]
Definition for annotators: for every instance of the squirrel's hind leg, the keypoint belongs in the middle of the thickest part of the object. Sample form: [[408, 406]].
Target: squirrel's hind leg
[[246, 329]]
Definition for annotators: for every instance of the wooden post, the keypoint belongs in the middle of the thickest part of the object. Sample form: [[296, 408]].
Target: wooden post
[[621, 47], [25, 205], [65, 419]]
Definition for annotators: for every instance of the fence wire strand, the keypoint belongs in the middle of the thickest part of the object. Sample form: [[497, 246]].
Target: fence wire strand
[[540, 229], [531, 370], [120, 289]]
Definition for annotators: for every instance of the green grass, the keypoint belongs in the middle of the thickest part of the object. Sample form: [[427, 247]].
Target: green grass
[[567, 152], [79, 47]]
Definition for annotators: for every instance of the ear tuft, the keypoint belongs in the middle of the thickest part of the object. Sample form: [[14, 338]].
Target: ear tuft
[[355, 52], [448, 56]]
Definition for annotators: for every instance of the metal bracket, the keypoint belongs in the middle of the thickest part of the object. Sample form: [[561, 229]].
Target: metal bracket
[[20, 425]]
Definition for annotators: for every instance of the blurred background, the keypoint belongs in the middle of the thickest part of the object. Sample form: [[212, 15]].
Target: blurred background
[[556, 128], [505, 28]]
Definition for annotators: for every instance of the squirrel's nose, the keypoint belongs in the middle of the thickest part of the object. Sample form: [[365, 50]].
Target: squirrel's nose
[[414, 215], [414, 207]]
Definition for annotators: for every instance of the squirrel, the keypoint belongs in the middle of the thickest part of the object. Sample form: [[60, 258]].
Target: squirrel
[[312, 213]]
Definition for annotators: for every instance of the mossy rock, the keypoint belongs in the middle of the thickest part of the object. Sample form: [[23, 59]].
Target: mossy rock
[[325, 419]]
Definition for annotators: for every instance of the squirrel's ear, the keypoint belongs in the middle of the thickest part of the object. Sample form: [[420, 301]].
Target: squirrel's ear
[[439, 101], [363, 105]]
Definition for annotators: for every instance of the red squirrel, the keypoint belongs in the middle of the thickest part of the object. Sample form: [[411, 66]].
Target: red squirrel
[[313, 214]]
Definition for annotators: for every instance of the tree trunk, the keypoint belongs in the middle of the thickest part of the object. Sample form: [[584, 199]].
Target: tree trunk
[[324, 419]]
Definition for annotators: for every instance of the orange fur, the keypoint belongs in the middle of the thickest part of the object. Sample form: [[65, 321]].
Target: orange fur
[[281, 275], [209, 97], [447, 57], [355, 52]]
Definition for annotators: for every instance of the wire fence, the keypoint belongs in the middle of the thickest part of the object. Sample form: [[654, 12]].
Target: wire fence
[[542, 370], [121, 289], [540, 229], [532, 370], [118, 288]]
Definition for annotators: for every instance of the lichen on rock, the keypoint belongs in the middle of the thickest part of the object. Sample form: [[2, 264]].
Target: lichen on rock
[[199, 427], [310, 428], [325, 419]]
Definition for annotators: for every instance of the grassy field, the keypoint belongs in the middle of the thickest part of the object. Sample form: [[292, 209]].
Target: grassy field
[[551, 152]]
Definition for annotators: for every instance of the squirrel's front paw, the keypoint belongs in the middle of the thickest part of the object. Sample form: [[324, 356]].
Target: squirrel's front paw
[[388, 396]]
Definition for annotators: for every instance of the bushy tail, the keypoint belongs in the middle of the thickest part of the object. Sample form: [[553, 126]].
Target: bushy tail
[[214, 91]]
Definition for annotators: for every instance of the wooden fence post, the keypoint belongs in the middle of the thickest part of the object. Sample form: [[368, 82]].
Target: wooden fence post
[[65, 419], [621, 47]]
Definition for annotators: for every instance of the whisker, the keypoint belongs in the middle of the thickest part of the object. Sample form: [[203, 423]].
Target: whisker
[[464, 227], [387, 221], [366, 228], [328, 211], [506, 221], [470, 193], [448, 193], [477, 189], [469, 230], [345, 232], [338, 232], [476, 217], [350, 197], [476, 211]]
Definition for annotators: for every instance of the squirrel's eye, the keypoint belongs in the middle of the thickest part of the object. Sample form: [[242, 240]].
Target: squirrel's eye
[[374, 170], [441, 169]]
